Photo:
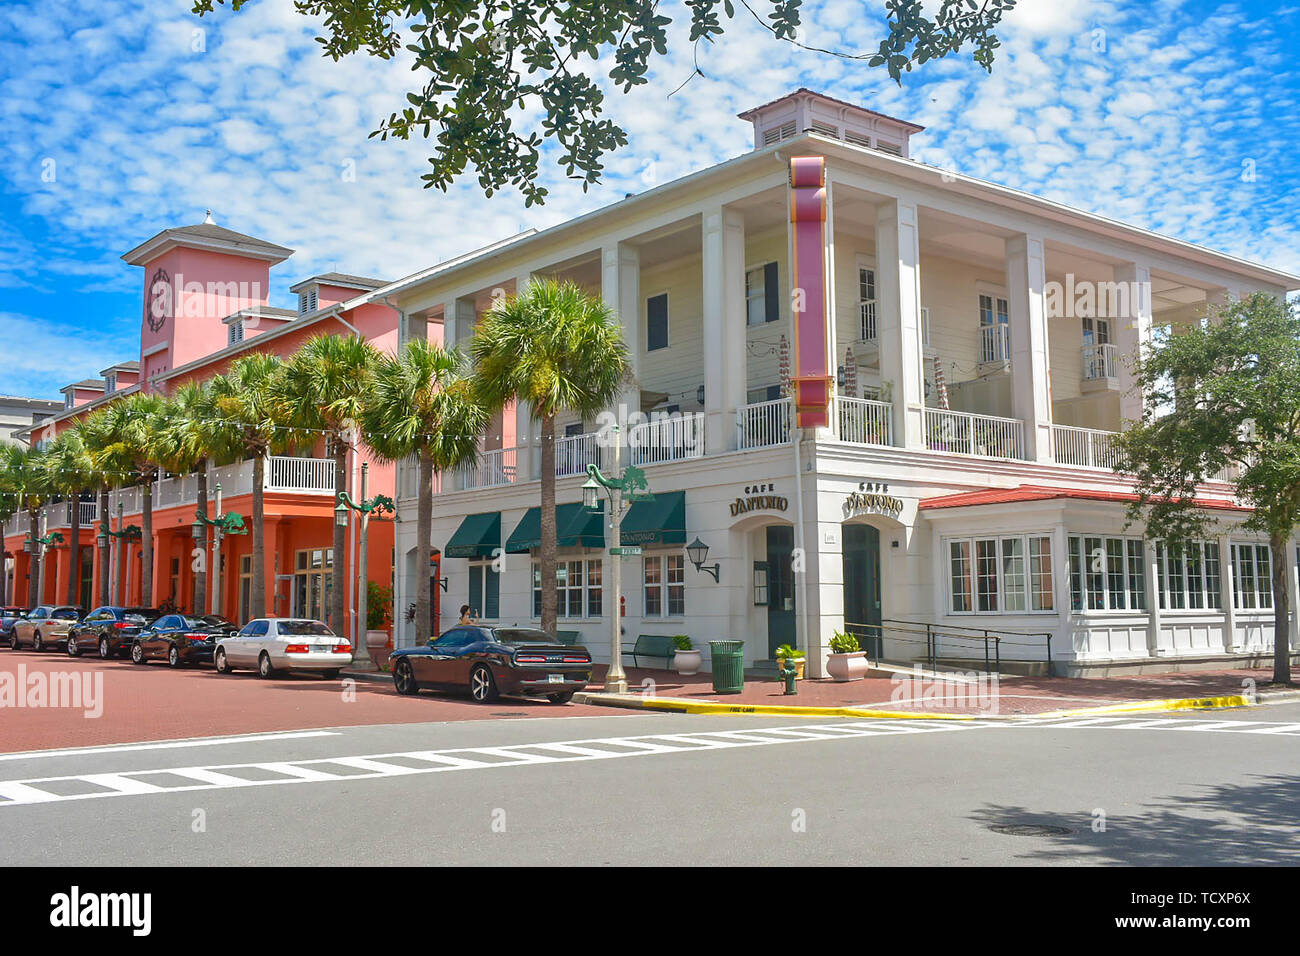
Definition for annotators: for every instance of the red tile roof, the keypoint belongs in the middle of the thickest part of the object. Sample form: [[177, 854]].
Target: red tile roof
[[997, 496]]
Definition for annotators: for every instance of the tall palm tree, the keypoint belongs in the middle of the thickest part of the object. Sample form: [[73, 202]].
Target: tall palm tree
[[71, 473], [192, 436], [9, 508], [420, 403], [325, 387], [28, 478], [135, 424], [252, 422], [558, 349], [97, 437]]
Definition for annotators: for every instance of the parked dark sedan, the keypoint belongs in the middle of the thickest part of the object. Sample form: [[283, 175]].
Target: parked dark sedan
[[226, 626], [110, 630], [177, 639], [490, 661]]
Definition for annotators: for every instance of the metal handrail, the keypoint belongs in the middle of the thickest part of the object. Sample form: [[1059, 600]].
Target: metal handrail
[[992, 639]]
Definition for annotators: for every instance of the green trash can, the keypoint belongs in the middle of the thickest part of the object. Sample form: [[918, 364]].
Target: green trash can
[[728, 666]]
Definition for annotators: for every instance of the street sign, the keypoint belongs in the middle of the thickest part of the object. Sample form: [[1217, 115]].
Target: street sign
[[629, 552]]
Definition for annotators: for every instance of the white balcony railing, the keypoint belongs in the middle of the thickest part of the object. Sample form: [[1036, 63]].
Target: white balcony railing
[[863, 421], [765, 423], [984, 435], [995, 343], [300, 475], [667, 438], [573, 453], [1100, 362], [495, 467], [1085, 447]]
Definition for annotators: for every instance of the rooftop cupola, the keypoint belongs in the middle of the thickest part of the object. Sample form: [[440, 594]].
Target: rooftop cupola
[[804, 111]]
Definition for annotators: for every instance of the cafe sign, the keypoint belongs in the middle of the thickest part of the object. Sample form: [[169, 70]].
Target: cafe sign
[[872, 498], [760, 497]]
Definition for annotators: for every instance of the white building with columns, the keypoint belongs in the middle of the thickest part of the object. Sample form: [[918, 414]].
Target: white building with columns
[[961, 490]]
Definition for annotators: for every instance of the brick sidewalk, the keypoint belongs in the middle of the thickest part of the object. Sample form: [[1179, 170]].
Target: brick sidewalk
[[1011, 695]]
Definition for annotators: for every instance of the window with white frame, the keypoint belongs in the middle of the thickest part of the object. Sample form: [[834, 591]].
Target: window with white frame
[[1106, 573], [110, 382], [995, 321], [867, 302], [1188, 576], [579, 590], [1007, 574], [762, 295], [663, 585], [1252, 576]]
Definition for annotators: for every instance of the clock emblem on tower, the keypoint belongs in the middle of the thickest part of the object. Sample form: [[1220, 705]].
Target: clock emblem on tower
[[158, 301]]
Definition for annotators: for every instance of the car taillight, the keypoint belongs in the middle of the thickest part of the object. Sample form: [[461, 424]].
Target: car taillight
[[296, 649], [120, 625], [197, 637], [573, 659], [530, 658], [342, 648]]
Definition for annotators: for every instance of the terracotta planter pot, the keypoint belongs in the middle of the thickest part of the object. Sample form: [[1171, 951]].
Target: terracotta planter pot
[[687, 663], [798, 666], [847, 667]]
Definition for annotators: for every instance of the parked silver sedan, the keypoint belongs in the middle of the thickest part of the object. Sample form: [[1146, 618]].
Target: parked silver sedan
[[272, 645]]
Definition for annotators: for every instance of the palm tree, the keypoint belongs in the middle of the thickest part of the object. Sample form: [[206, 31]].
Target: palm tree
[[420, 403], [28, 478], [558, 349], [9, 507], [135, 424], [71, 472], [250, 422], [192, 435], [325, 389], [97, 437]]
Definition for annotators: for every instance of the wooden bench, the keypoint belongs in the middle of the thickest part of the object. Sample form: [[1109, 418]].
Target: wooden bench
[[568, 637], [652, 645]]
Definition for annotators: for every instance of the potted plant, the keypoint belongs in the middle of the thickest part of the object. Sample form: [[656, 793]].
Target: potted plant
[[687, 660], [846, 661], [379, 610], [788, 652]]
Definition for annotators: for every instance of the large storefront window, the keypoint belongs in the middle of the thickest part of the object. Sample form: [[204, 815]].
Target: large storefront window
[[663, 585], [577, 581], [1252, 577], [1188, 576], [1009, 575], [1106, 574], [313, 578], [484, 591]]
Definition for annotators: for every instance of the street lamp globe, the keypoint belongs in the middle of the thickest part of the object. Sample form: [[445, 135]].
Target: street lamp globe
[[698, 552], [591, 494], [341, 514]]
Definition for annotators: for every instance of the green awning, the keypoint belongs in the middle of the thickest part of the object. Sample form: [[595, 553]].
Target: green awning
[[660, 521], [574, 527], [477, 537]]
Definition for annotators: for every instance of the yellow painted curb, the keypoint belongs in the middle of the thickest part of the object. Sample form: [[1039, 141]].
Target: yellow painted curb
[[1154, 706], [677, 705]]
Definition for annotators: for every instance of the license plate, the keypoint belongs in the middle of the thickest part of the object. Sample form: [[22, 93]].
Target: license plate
[[320, 648], [555, 678]]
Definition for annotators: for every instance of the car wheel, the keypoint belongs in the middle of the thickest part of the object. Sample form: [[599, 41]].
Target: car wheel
[[482, 686], [72, 648], [264, 668], [37, 643], [13, 641], [562, 698], [104, 650], [173, 657], [137, 654], [220, 664], [404, 679]]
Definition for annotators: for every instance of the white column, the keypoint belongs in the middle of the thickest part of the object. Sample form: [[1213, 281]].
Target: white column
[[1153, 596], [620, 286], [525, 440], [1031, 388], [1293, 591], [1224, 545], [723, 264], [1132, 334], [898, 291]]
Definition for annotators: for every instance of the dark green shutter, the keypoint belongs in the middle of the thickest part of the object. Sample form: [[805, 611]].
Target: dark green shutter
[[771, 293], [492, 595], [656, 309]]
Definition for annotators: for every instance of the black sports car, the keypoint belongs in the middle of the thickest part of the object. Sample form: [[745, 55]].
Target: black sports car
[[177, 639], [490, 661]]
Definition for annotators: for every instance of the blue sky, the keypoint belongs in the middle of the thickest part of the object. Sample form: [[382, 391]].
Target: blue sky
[[123, 118]]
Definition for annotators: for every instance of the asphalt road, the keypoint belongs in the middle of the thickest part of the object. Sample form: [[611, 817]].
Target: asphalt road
[[1209, 788]]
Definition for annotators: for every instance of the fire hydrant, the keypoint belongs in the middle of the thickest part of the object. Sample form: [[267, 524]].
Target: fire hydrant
[[788, 674]]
